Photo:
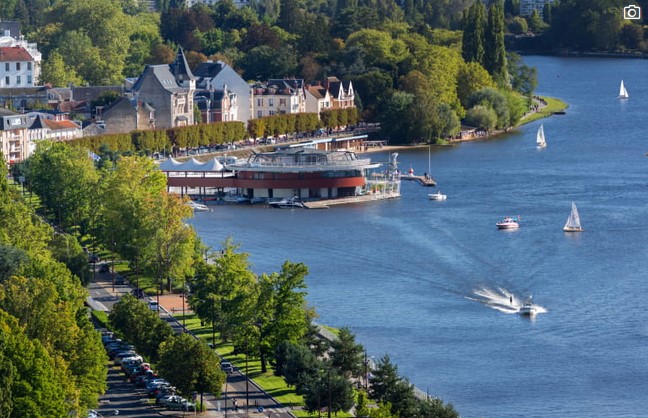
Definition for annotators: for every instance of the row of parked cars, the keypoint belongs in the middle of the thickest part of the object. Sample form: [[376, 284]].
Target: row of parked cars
[[142, 375]]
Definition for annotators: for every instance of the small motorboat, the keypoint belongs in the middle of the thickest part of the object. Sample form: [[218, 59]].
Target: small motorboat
[[528, 308], [197, 207], [510, 222], [290, 203], [437, 196]]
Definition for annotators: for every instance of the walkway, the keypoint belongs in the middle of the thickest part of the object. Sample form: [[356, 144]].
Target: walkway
[[237, 386]]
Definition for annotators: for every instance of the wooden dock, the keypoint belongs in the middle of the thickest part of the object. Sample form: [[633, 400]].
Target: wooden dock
[[422, 180], [325, 204]]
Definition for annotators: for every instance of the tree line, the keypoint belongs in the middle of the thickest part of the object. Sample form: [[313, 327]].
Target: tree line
[[51, 358], [404, 58]]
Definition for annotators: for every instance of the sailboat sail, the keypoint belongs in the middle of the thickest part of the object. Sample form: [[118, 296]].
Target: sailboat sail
[[623, 93], [540, 137], [573, 223]]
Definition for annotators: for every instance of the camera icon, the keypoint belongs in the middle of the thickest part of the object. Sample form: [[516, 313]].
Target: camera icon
[[632, 12]]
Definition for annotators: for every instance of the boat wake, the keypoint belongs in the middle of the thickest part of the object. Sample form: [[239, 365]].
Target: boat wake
[[501, 300]]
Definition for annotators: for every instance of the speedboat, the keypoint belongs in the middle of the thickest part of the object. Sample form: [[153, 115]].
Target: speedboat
[[528, 308], [437, 196], [510, 222], [289, 203], [197, 207]]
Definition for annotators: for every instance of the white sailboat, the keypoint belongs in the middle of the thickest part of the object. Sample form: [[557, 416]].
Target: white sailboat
[[573, 223], [623, 93], [540, 137]]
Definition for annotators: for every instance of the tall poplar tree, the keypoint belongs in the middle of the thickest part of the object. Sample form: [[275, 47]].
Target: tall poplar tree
[[472, 47], [494, 49]]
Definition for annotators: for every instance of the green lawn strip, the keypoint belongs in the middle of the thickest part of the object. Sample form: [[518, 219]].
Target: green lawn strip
[[274, 385], [553, 105]]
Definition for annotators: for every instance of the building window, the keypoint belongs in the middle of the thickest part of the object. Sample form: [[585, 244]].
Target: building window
[[259, 112], [259, 102], [270, 102], [6, 66], [7, 82], [17, 80], [282, 102], [18, 67], [271, 113], [29, 66], [29, 79]]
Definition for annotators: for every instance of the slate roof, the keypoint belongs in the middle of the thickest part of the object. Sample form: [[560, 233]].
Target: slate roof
[[209, 69], [14, 53], [179, 67], [164, 76], [11, 26], [319, 92]]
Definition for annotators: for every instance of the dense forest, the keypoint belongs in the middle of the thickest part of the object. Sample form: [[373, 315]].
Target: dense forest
[[405, 59]]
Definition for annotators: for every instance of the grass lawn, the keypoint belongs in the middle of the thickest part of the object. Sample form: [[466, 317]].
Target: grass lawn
[[272, 384], [553, 105]]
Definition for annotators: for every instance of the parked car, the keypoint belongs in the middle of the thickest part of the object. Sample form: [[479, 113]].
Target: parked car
[[138, 293], [184, 405], [227, 367], [122, 355], [104, 268], [154, 305], [119, 279]]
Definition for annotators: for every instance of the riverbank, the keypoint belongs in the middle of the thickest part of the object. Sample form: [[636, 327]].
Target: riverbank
[[552, 107]]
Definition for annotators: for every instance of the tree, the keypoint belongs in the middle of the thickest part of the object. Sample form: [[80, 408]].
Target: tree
[[524, 79], [296, 363], [281, 311], [34, 383], [347, 356], [494, 49], [473, 34], [536, 24], [170, 251], [495, 100], [388, 387], [190, 365], [481, 117], [518, 25], [57, 73], [11, 259], [471, 78], [65, 180]]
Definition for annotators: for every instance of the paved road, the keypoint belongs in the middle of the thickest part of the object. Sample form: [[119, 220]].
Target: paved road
[[237, 386]]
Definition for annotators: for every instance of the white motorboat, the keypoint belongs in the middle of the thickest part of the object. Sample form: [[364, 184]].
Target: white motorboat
[[510, 222], [623, 93], [288, 203], [197, 207], [573, 223], [540, 138], [528, 308], [437, 196]]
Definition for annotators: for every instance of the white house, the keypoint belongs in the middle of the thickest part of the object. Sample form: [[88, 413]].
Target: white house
[[17, 68]]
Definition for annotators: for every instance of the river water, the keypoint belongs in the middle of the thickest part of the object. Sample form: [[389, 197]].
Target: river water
[[429, 282]]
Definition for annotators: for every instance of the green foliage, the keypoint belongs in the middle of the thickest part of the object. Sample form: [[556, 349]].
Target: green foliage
[[518, 25], [482, 117], [523, 78], [34, 383], [494, 49], [536, 24], [190, 365], [57, 73], [473, 34], [66, 249], [495, 100], [347, 357], [66, 181], [388, 387], [140, 326], [472, 77]]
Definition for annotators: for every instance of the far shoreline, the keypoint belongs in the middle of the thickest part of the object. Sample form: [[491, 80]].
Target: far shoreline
[[553, 106]]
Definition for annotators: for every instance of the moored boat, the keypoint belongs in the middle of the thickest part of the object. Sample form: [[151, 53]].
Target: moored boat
[[437, 196], [510, 222], [197, 207], [288, 203]]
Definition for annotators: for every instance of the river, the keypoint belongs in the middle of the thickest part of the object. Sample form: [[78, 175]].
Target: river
[[427, 282]]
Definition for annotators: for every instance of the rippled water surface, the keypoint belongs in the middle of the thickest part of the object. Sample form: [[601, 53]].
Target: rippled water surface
[[428, 282]]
